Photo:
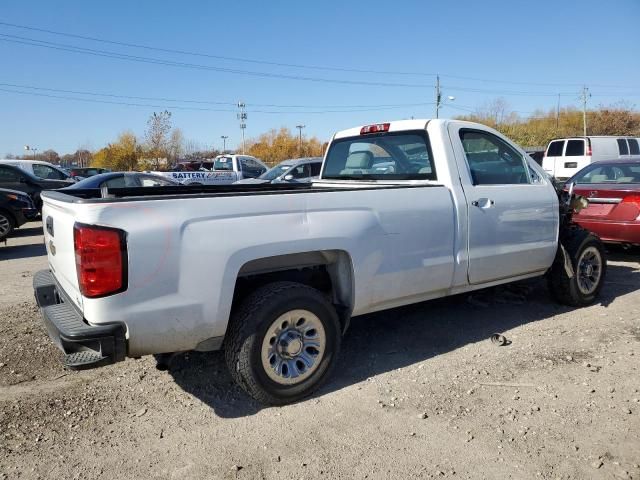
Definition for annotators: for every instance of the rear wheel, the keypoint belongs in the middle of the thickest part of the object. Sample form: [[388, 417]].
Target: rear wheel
[[282, 342], [587, 257], [6, 225]]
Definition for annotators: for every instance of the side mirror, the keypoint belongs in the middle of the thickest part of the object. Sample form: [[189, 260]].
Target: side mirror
[[23, 180], [288, 177]]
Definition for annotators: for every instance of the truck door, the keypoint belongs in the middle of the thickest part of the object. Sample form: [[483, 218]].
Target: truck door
[[513, 213]]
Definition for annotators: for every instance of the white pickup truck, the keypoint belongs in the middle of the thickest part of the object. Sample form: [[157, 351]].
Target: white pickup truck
[[226, 170], [403, 212]]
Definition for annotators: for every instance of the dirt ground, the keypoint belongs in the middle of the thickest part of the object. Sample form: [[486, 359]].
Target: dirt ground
[[419, 392]]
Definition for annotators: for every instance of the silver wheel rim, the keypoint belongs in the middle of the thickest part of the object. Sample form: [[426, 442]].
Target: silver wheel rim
[[589, 270], [293, 347], [5, 226]]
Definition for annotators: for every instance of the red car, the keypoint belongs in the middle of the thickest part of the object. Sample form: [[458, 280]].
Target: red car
[[613, 190]]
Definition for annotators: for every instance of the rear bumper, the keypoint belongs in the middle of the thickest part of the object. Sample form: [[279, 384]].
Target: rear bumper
[[85, 346], [612, 232]]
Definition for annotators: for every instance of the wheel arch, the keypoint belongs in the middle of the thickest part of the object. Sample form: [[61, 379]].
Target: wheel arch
[[330, 271]]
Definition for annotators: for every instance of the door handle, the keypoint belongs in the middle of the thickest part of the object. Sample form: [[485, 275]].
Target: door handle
[[483, 203]]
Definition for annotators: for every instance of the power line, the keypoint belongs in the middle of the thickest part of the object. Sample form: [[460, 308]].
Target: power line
[[157, 61], [218, 57], [212, 102], [294, 65], [180, 107]]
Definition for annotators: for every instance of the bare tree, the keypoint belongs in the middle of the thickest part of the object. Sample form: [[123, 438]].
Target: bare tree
[[493, 112], [50, 156], [176, 145], [157, 136]]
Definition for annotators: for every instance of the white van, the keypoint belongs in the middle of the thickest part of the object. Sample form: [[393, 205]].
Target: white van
[[565, 156], [40, 169]]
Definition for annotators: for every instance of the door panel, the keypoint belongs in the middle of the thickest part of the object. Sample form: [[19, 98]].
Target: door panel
[[513, 222]]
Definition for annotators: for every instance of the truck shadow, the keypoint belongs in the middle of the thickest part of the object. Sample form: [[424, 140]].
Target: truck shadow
[[13, 252], [385, 341]]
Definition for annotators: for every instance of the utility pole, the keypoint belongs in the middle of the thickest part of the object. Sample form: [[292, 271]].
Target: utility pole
[[558, 115], [584, 96], [224, 142], [300, 127], [242, 116], [438, 96]]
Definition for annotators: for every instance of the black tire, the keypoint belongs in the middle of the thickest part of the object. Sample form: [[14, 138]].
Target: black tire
[[7, 224], [565, 289], [247, 330]]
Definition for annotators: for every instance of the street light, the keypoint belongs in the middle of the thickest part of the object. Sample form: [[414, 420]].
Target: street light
[[224, 142], [34, 150], [300, 127]]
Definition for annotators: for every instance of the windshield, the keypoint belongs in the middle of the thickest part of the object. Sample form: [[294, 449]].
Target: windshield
[[386, 156], [275, 172], [223, 163], [609, 173]]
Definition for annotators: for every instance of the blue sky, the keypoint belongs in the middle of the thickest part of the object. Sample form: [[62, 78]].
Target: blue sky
[[527, 51]]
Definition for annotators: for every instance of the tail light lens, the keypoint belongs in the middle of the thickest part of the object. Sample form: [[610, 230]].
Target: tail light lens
[[101, 260], [632, 199], [378, 127]]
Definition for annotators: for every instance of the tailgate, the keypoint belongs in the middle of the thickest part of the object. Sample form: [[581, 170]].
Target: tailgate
[[58, 220]]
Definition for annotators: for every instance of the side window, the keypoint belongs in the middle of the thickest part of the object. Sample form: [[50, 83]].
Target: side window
[[153, 182], [634, 149], [315, 169], [46, 172], [491, 160], [301, 171], [8, 175], [575, 148], [117, 182], [555, 148], [622, 146]]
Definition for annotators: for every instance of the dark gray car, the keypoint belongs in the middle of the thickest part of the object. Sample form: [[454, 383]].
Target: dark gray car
[[299, 170]]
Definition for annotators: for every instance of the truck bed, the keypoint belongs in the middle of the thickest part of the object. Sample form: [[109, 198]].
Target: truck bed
[[110, 195]]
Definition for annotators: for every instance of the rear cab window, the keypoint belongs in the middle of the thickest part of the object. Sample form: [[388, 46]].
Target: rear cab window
[[223, 163], [404, 155], [555, 148], [634, 148]]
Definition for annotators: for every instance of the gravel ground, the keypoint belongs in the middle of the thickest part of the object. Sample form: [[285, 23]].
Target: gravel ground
[[420, 392]]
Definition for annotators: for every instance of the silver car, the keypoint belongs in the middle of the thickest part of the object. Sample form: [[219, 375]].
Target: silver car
[[299, 170]]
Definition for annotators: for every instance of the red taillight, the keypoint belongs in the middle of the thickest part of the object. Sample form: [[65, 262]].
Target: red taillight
[[589, 151], [632, 199], [100, 260], [378, 127]]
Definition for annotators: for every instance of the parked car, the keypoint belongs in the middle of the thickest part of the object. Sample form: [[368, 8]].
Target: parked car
[[273, 279], [44, 170], [15, 178], [565, 157], [16, 208], [88, 172], [289, 171], [613, 190], [122, 180], [227, 169]]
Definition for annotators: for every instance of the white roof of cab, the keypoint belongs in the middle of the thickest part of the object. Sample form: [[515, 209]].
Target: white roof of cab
[[395, 126]]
